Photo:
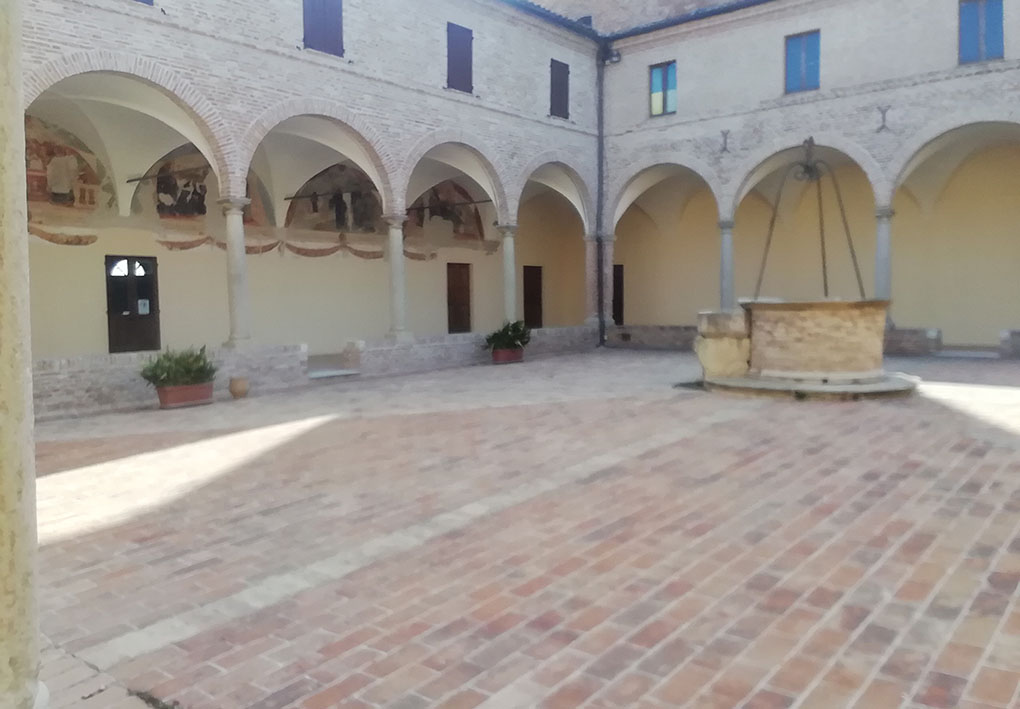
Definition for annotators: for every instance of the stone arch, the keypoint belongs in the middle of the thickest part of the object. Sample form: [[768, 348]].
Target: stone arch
[[586, 208], [756, 167], [383, 163], [622, 197], [193, 102], [478, 148], [910, 153]]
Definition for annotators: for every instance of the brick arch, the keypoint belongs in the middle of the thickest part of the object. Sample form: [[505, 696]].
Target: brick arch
[[202, 111], [919, 140], [708, 175], [562, 159], [475, 145], [383, 161], [747, 174]]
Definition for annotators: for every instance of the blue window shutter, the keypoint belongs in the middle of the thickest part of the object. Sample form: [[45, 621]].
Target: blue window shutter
[[970, 31], [658, 99], [324, 26], [459, 58], [812, 60], [994, 44], [794, 54]]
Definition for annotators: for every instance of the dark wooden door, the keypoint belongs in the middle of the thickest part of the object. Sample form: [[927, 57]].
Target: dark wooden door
[[618, 294], [458, 296], [132, 303], [533, 296]]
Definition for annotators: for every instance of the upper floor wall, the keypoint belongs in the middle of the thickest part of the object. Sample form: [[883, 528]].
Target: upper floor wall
[[735, 62]]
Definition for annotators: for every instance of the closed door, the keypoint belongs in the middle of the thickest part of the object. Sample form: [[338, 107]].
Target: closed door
[[458, 296], [132, 303], [533, 296], [618, 294]]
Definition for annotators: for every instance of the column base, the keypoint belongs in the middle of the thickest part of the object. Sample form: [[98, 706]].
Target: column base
[[42, 697], [400, 337], [239, 343]]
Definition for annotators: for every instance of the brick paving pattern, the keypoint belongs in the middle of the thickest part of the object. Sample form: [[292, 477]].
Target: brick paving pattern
[[571, 532]]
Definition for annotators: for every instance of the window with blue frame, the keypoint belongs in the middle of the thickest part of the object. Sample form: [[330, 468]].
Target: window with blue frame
[[663, 88], [803, 62], [981, 36], [145, 2]]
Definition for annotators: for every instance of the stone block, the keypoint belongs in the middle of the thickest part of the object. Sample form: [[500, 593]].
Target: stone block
[[723, 357], [724, 323]]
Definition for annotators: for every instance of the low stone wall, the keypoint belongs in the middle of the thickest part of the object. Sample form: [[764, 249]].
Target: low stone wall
[[652, 337], [446, 351], [1009, 344], [101, 383], [912, 342]]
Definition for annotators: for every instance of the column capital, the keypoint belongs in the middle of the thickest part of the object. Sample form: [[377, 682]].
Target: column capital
[[395, 220], [233, 204], [884, 212], [507, 231], [726, 224]]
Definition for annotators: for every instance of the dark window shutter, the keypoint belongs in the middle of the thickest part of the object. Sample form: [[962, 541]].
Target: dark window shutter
[[560, 87], [459, 70], [324, 26]]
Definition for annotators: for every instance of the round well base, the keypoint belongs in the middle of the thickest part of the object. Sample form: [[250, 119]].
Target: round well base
[[887, 386]]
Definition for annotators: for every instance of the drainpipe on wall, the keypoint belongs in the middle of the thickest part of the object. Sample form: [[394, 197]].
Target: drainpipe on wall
[[605, 47]]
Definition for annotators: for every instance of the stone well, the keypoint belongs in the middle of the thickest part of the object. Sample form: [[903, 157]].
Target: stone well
[[820, 349], [821, 341]]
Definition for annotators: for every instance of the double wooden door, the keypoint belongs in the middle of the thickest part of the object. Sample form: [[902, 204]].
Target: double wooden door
[[132, 303]]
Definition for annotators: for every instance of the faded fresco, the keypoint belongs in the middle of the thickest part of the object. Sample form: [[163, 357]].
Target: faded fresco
[[63, 175], [182, 187], [341, 198], [450, 202]]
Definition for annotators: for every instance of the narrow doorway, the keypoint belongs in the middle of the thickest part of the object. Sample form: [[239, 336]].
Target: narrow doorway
[[132, 303], [458, 297], [618, 294], [533, 296]]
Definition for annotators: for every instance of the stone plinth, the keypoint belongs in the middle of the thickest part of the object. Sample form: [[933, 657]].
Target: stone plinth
[[723, 345], [824, 341]]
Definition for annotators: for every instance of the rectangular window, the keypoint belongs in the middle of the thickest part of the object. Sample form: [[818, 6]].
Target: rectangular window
[[324, 26], [145, 2], [663, 89], [981, 36], [459, 58], [803, 62], [559, 75]]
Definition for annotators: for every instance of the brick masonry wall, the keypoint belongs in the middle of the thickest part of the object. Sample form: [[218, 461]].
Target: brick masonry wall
[[88, 385], [1010, 344], [239, 68], [913, 342], [653, 337], [428, 354]]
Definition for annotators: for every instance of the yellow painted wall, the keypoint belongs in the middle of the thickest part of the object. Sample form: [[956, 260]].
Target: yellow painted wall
[[551, 235], [794, 269], [956, 264], [669, 250], [68, 290]]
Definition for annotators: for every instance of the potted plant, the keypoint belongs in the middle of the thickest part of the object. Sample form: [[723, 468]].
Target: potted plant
[[181, 378], [507, 343]]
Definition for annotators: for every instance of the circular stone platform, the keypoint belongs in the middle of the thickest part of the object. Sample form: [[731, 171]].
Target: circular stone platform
[[888, 385]]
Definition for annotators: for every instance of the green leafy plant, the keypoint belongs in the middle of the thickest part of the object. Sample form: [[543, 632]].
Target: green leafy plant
[[179, 368], [512, 336]]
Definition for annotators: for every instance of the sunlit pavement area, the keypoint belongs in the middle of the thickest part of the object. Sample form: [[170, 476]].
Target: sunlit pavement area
[[568, 532]]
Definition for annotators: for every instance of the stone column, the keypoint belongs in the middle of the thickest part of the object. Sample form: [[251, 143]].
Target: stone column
[[509, 234], [19, 639], [883, 253], [727, 285], [398, 279], [591, 253], [237, 272], [591, 282]]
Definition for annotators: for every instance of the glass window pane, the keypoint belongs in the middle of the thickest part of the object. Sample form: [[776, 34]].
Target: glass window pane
[[657, 104]]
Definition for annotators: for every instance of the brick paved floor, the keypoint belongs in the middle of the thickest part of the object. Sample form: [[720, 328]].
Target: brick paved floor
[[569, 532]]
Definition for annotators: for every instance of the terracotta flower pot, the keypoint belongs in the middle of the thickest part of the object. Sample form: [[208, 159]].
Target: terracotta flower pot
[[507, 356], [177, 397], [239, 387]]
